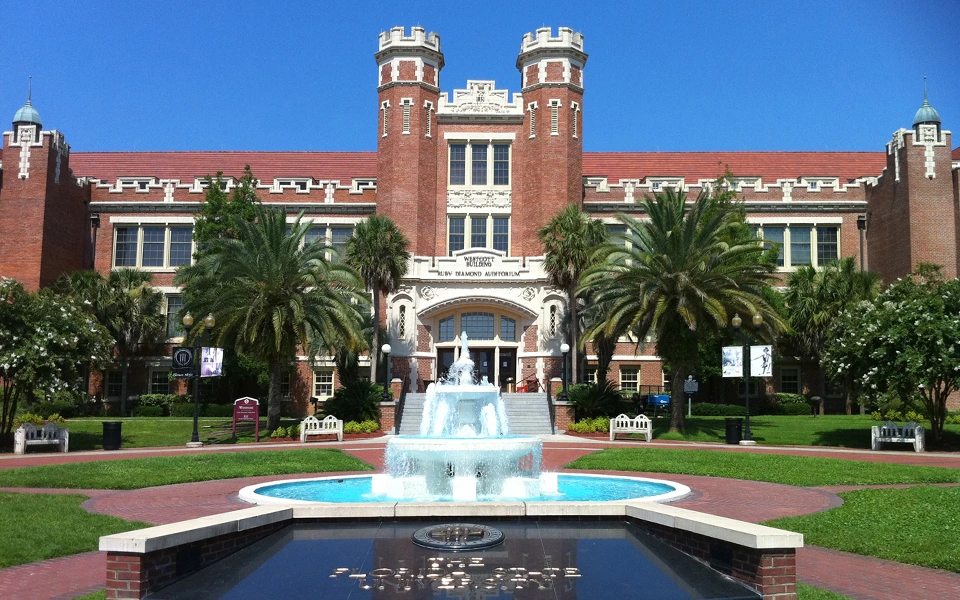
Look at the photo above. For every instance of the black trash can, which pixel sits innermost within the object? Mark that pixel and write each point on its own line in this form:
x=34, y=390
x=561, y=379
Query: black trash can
x=734, y=430
x=111, y=434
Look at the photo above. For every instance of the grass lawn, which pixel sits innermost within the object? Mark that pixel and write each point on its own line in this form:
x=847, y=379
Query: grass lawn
x=791, y=470
x=804, y=592
x=163, y=470
x=87, y=434
x=102, y=595
x=55, y=525
x=920, y=526
x=846, y=431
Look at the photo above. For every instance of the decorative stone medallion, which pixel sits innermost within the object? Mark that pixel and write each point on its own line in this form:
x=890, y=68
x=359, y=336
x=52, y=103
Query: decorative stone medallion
x=457, y=536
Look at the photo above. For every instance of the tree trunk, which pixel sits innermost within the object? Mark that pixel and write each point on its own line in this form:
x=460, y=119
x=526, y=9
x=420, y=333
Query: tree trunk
x=375, y=346
x=124, y=368
x=574, y=334
x=678, y=421
x=273, y=394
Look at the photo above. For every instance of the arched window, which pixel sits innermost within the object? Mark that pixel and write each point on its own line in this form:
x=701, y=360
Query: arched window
x=554, y=320
x=402, y=322
x=478, y=325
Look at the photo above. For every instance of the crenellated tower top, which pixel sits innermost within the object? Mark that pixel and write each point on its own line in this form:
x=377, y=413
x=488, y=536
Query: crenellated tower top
x=409, y=59
x=552, y=60
x=418, y=37
x=566, y=39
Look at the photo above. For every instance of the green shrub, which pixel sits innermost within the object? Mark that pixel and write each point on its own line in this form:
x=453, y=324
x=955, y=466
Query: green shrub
x=795, y=410
x=707, y=409
x=161, y=400
x=596, y=425
x=279, y=432
x=56, y=418
x=912, y=415
x=37, y=420
x=148, y=411
x=601, y=399
x=70, y=404
x=952, y=420
x=876, y=416
x=370, y=426
x=218, y=410
x=351, y=427
x=893, y=415
x=357, y=401
x=785, y=398
x=181, y=409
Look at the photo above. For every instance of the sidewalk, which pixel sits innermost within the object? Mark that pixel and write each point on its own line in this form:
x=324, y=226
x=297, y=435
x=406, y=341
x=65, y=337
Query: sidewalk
x=852, y=575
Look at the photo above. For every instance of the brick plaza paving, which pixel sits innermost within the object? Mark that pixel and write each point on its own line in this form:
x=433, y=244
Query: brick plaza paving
x=849, y=574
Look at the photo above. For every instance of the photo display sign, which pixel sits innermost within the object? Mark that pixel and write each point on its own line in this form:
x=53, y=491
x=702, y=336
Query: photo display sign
x=732, y=361
x=761, y=361
x=211, y=364
x=182, y=361
x=247, y=410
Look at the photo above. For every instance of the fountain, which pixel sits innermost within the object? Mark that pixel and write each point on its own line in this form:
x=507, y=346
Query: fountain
x=464, y=450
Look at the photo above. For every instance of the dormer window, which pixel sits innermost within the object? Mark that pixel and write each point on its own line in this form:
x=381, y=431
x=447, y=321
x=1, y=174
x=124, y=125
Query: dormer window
x=814, y=185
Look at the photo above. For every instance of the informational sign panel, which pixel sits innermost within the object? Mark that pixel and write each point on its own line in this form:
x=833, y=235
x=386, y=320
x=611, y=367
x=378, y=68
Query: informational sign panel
x=761, y=361
x=212, y=362
x=182, y=361
x=691, y=386
x=732, y=364
x=246, y=410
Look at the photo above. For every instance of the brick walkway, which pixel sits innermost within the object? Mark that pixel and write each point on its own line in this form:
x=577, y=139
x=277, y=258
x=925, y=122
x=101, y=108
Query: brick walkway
x=855, y=576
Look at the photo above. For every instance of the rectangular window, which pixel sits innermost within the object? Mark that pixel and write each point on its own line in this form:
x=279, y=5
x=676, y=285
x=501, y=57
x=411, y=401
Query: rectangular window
x=456, y=233
x=285, y=384
x=174, y=322
x=629, y=379
x=501, y=164
x=478, y=232
x=799, y=246
x=753, y=388
x=790, y=380
x=617, y=234
x=126, y=247
x=533, y=120
x=501, y=234
x=508, y=329
x=406, y=118
x=458, y=164
x=323, y=383
x=554, y=118
x=154, y=239
x=181, y=246
x=774, y=235
x=315, y=234
x=478, y=170
x=114, y=384
x=477, y=325
x=827, y=245
x=446, y=329
x=338, y=239
x=160, y=382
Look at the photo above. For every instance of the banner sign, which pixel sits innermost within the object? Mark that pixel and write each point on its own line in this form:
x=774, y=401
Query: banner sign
x=761, y=361
x=182, y=361
x=246, y=410
x=212, y=362
x=732, y=365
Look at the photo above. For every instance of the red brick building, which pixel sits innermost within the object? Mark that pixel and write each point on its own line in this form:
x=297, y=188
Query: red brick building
x=469, y=176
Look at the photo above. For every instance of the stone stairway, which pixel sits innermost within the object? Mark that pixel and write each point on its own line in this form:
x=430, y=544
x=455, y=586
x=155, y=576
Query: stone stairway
x=528, y=414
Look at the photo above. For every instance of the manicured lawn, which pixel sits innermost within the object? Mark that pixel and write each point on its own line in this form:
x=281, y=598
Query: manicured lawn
x=102, y=595
x=791, y=470
x=40, y=526
x=148, y=472
x=87, y=434
x=845, y=431
x=804, y=592
x=919, y=525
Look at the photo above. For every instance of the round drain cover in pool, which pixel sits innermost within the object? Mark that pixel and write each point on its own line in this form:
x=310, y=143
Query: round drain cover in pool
x=457, y=536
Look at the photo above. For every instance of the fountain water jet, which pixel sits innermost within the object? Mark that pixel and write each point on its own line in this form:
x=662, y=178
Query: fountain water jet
x=464, y=449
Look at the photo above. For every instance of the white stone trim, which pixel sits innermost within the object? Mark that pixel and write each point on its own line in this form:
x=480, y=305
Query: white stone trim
x=478, y=136
x=787, y=221
x=136, y=220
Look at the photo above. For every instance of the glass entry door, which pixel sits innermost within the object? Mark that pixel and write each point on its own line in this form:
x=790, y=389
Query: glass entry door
x=508, y=368
x=483, y=364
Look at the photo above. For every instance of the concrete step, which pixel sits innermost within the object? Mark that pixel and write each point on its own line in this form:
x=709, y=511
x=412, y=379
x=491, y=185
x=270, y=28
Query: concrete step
x=527, y=414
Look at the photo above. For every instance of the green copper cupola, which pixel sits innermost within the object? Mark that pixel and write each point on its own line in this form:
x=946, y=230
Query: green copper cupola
x=28, y=114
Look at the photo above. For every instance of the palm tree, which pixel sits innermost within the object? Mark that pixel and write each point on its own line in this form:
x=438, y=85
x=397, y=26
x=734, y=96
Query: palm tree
x=815, y=298
x=126, y=305
x=378, y=251
x=681, y=275
x=569, y=241
x=272, y=295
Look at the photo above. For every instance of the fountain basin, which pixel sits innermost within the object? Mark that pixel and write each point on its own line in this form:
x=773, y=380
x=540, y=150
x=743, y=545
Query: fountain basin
x=570, y=488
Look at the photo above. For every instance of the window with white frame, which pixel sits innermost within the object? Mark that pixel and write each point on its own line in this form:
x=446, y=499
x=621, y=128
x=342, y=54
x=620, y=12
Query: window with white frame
x=285, y=384
x=801, y=244
x=554, y=320
x=174, y=322
x=790, y=380
x=508, y=329
x=152, y=246
x=478, y=326
x=334, y=236
x=323, y=383
x=590, y=376
x=159, y=381
x=486, y=231
x=629, y=379
x=470, y=163
x=447, y=332
x=114, y=387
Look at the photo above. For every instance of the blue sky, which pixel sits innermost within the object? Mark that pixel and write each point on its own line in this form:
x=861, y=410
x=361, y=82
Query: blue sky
x=300, y=75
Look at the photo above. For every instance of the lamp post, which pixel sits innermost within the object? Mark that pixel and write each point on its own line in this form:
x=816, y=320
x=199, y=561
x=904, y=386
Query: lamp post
x=757, y=323
x=208, y=322
x=564, y=349
x=862, y=227
x=385, y=349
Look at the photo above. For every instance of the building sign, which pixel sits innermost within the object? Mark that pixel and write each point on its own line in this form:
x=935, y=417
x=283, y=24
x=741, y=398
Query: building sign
x=480, y=264
x=247, y=410
x=211, y=364
x=182, y=361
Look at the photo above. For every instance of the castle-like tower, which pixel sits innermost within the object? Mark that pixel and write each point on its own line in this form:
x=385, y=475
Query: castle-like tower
x=407, y=93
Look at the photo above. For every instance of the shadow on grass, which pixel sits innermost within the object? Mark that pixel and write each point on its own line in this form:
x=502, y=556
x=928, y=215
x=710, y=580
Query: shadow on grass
x=850, y=437
x=86, y=440
x=701, y=431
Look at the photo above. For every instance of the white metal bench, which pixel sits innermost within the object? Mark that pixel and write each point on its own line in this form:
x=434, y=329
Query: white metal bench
x=50, y=434
x=330, y=425
x=910, y=433
x=624, y=424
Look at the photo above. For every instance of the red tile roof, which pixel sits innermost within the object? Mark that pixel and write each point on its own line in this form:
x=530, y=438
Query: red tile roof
x=186, y=166
x=709, y=165
x=956, y=153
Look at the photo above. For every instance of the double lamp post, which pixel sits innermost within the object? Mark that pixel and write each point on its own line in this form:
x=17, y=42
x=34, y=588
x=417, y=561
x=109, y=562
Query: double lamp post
x=208, y=322
x=757, y=323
